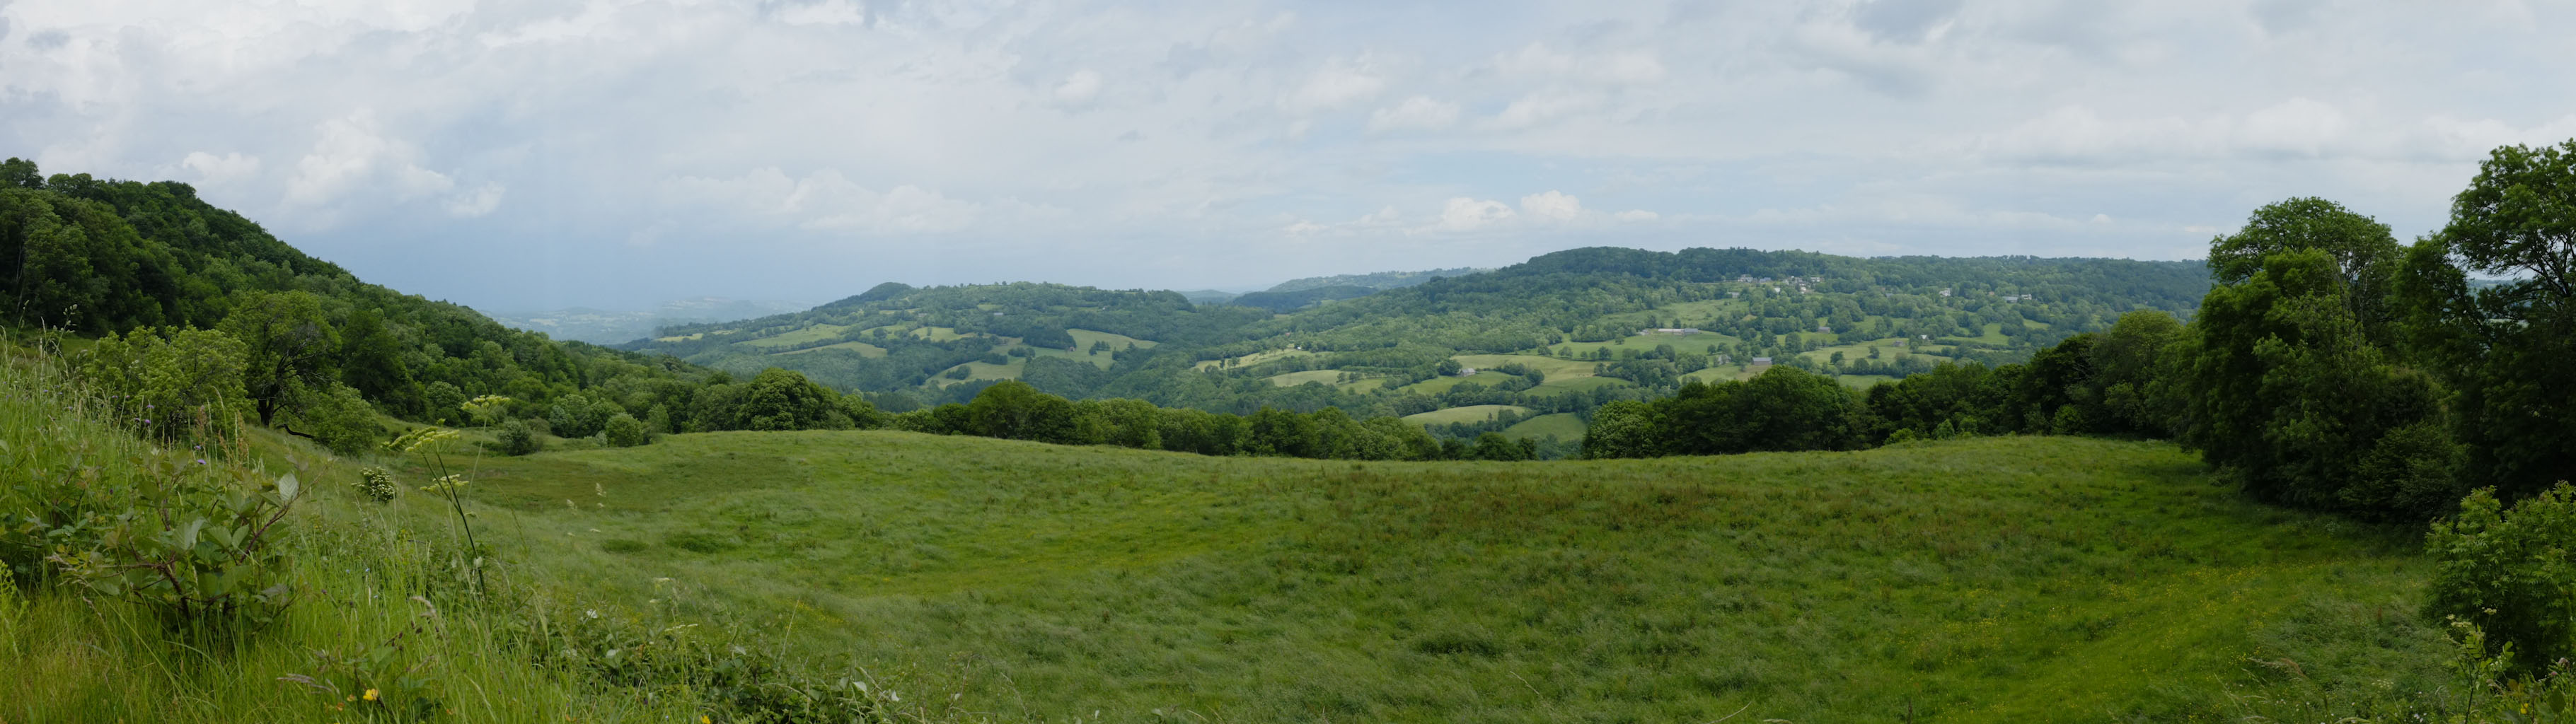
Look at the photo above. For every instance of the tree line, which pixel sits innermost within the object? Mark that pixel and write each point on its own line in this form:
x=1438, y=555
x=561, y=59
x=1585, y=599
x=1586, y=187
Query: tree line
x=2329, y=367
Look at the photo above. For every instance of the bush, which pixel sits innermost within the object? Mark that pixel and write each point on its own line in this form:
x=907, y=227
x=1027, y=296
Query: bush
x=2510, y=573
x=377, y=485
x=624, y=430
x=515, y=438
x=341, y=420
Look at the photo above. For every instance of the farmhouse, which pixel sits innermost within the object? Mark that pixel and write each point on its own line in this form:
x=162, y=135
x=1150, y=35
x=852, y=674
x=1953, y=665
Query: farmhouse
x=1761, y=361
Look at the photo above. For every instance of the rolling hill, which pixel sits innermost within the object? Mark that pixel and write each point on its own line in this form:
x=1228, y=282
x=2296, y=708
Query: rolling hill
x=1559, y=334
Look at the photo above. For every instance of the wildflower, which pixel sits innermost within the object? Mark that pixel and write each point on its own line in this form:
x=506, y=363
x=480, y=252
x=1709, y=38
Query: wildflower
x=372, y=695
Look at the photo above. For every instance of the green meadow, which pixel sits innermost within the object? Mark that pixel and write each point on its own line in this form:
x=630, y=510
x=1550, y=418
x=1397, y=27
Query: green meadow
x=1999, y=579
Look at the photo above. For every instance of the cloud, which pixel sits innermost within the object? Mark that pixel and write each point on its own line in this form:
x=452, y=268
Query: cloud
x=1542, y=107
x=230, y=168
x=352, y=159
x=1467, y=214
x=843, y=131
x=1339, y=83
x=1415, y=113
x=1078, y=89
x=1551, y=206
x=478, y=202
x=825, y=200
x=1621, y=67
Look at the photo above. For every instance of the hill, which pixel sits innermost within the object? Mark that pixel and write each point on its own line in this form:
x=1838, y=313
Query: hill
x=1561, y=333
x=602, y=326
x=2004, y=579
x=1373, y=282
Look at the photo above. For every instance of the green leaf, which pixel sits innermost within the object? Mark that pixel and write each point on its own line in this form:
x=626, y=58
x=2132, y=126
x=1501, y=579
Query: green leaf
x=286, y=487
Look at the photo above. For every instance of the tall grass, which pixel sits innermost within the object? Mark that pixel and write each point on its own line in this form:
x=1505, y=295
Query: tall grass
x=385, y=624
x=2006, y=579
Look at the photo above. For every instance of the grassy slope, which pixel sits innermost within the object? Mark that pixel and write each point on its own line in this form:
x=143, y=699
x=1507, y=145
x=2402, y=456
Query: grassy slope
x=2020, y=579
x=1469, y=413
x=1564, y=425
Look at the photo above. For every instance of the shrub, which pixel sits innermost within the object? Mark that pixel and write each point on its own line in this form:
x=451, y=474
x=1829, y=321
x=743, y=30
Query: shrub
x=624, y=430
x=2510, y=572
x=515, y=438
x=341, y=420
x=377, y=485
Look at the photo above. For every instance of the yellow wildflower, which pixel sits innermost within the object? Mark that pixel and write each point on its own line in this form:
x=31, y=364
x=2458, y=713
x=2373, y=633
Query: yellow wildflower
x=372, y=695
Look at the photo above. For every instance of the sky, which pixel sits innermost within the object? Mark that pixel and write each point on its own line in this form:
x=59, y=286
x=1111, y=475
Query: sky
x=537, y=154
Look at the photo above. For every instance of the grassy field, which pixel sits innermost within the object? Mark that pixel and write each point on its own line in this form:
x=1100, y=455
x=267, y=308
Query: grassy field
x=1437, y=385
x=1647, y=342
x=1564, y=425
x=2013, y=579
x=1292, y=379
x=1084, y=338
x=1469, y=413
x=864, y=349
x=1554, y=368
x=1577, y=384
x=808, y=335
x=1253, y=359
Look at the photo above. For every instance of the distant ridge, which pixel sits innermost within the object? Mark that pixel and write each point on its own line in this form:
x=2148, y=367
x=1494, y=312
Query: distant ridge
x=1375, y=282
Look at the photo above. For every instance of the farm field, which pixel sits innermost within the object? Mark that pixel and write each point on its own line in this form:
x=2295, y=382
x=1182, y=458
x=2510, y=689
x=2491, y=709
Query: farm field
x=808, y=335
x=1563, y=425
x=1292, y=379
x=1468, y=413
x=864, y=349
x=1999, y=579
x=1555, y=368
x=1437, y=385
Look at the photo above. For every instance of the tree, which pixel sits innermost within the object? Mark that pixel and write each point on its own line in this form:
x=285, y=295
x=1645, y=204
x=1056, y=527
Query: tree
x=2129, y=374
x=2364, y=255
x=1013, y=410
x=2288, y=392
x=624, y=430
x=340, y=419
x=516, y=438
x=2507, y=347
x=1622, y=429
x=289, y=343
x=182, y=386
x=778, y=399
x=371, y=361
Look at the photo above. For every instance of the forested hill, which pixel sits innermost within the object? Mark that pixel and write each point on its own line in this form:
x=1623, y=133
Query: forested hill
x=137, y=260
x=1529, y=349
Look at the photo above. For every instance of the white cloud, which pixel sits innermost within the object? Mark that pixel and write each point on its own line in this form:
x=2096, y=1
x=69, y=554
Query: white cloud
x=834, y=12
x=213, y=170
x=1385, y=218
x=1415, y=113
x=350, y=157
x=1637, y=215
x=1079, y=88
x=1623, y=67
x=826, y=200
x=1551, y=206
x=478, y=202
x=1340, y=83
x=1542, y=107
x=1468, y=214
